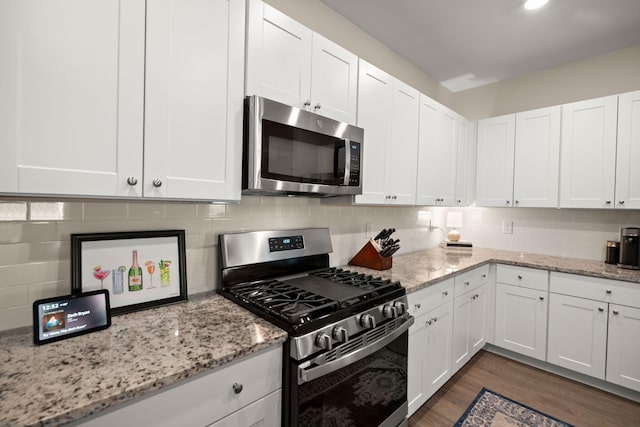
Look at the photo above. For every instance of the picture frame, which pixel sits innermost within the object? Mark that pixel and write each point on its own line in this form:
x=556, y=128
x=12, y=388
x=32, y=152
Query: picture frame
x=140, y=269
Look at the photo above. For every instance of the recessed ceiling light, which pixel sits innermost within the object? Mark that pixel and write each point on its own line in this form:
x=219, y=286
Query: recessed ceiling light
x=535, y=4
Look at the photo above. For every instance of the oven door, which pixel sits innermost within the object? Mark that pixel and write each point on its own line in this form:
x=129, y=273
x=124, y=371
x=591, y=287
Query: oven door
x=361, y=383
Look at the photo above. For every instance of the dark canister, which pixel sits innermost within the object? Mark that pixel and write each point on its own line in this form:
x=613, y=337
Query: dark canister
x=612, y=255
x=629, y=248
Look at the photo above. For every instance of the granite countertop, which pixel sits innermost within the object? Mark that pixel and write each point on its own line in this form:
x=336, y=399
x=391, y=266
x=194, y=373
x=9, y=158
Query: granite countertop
x=67, y=380
x=420, y=269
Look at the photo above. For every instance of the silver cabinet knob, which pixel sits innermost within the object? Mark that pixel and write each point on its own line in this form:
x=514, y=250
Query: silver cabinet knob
x=541, y=298
x=417, y=306
x=367, y=321
x=621, y=202
x=394, y=197
x=508, y=202
x=517, y=202
x=608, y=202
x=459, y=201
x=132, y=180
x=429, y=322
x=237, y=388
x=340, y=334
x=600, y=309
x=616, y=312
x=467, y=283
x=445, y=293
x=307, y=103
x=324, y=341
x=317, y=106
x=519, y=277
x=608, y=291
x=435, y=319
x=157, y=183
x=484, y=276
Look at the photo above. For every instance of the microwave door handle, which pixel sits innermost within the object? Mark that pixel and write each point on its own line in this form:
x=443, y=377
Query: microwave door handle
x=347, y=161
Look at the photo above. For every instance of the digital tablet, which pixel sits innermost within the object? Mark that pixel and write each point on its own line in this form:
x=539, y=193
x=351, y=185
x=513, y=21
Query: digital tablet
x=68, y=316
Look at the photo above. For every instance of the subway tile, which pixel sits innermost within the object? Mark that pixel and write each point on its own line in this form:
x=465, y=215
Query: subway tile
x=147, y=211
x=10, y=211
x=105, y=210
x=38, y=291
x=56, y=211
x=37, y=272
x=14, y=253
x=14, y=296
x=211, y=211
x=15, y=317
x=181, y=210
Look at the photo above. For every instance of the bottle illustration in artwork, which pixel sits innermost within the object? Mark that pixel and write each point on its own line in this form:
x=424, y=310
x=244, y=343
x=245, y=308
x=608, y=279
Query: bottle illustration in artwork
x=135, y=274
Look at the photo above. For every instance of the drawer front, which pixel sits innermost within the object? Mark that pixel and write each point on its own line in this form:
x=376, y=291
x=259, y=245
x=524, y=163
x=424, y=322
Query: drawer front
x=205, y=399
x=524, y=277
x=469, y=280
x=605, y=290
x=429, y=298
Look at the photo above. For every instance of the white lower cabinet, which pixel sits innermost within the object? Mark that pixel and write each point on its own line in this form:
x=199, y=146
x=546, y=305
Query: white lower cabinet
x=429, y=342
x=470, y=315
x=594, y=328
x=521, y=310
x=245, y=392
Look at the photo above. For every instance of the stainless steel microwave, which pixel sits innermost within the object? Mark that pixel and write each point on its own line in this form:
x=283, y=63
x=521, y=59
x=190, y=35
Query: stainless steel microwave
x=291, y=151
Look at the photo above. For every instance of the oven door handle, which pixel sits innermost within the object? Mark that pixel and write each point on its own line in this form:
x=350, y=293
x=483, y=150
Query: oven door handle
x=310, y=374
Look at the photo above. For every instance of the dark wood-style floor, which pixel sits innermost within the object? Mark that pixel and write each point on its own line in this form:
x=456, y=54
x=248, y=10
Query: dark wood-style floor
x=570, y=401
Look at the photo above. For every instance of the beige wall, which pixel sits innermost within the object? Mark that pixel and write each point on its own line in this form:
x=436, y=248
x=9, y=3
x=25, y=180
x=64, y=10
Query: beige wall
x=601, y=75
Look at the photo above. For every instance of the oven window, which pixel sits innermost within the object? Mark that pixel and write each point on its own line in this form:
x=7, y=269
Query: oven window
x=298, y=155
x=364, y=393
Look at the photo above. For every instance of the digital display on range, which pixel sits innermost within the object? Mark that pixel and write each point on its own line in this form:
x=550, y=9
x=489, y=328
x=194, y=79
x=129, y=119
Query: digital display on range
x=287, y=243
x=63, y=317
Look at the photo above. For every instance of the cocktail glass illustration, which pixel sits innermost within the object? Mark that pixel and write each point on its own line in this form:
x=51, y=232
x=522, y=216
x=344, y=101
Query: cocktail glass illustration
x=100, y=274
x=117, y=278
x=150, y=269
x=165, y=278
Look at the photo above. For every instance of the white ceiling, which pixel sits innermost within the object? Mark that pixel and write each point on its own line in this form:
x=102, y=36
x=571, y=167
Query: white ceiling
x=468, y=43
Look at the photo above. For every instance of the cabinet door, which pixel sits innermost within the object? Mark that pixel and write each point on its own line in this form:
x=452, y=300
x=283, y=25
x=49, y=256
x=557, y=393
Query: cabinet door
x=537, y=158
x=193, y=99
x=402, y=148
x=437, y=154
x=278, y=56
x=577, y=334
x=623, y=351
x=494, y=180
x=334, y=80
x=71, y=96
x=374, y=108
x=263, y=412
x=480, y=305
x=628, y=151
x=437, y=360
x=521, y=320
x=466, y=163
x=587, y=170
x=416, y=364
x=460, y=350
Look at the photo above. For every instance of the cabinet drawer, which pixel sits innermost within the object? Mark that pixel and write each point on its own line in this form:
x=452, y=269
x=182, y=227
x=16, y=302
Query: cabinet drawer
x=429, y=298
x=471, y=279
x=524, y=277
x=205, y=399
x=605, y=290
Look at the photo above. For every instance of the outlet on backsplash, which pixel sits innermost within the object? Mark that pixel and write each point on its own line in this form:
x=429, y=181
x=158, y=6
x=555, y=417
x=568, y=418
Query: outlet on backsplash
x=507, y=226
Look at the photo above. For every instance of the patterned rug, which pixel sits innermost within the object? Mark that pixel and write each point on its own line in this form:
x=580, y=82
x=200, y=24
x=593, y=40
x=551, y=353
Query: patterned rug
x=490, y=409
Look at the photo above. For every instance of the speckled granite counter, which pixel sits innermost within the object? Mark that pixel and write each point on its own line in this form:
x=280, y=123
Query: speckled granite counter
x=67, y=380
x=419, y=269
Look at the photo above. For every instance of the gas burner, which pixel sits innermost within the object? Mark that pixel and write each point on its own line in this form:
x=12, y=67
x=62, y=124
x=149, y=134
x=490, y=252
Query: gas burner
x=359, y=280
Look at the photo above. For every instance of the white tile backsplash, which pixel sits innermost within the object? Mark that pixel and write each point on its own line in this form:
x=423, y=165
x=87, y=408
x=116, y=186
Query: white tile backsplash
x=35, y=248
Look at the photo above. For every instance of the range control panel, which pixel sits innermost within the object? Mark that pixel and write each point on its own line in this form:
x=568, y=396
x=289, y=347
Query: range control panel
x=277, y=244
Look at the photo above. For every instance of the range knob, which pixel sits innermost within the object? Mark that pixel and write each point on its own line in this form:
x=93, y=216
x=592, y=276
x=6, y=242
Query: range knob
x=367, y=321
x=323, y=341
x=340, y=334
x=390, y=311
x=401, y=307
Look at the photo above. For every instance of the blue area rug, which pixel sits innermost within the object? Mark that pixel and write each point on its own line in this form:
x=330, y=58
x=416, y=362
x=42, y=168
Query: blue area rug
x=491, y=409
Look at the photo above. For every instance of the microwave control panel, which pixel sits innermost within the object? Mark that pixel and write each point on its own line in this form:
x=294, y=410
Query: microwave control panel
x=354, y=175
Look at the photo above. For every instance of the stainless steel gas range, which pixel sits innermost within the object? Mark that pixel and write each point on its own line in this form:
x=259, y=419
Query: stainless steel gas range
x=345, y=362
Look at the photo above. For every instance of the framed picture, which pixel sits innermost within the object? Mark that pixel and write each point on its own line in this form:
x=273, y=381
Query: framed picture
x=140, y=269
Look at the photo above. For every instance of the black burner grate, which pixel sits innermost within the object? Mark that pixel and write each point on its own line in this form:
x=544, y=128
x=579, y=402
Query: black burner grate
x=359, y=280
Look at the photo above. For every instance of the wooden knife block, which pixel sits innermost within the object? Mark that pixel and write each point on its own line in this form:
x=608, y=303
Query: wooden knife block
x=370, y=258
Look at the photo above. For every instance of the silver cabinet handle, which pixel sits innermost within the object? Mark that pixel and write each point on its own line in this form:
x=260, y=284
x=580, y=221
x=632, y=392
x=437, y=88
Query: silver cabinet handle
x=157, y=183
x=317, y=106
x=600, y=309
x=132, y=180
x=616, y=312
x=608, y=291
x=237, y=388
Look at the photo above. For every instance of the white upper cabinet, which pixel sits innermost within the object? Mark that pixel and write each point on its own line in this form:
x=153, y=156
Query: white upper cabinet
x=71, y=96
x=375, y=95
x=437, y=154
x=496, y=145
x=193, y=99
x=388, y=113
x=587, y=171
x=289, y=63
x=628, y=151
x=537, y=158
x=466, y=164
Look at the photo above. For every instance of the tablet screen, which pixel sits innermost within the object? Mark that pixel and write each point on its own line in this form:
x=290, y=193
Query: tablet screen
x=70, y=315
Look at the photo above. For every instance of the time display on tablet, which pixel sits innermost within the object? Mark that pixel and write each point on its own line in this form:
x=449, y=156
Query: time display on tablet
x=70, y=315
